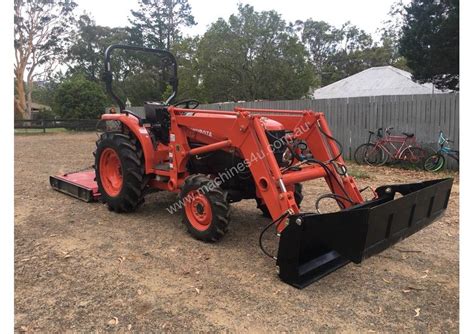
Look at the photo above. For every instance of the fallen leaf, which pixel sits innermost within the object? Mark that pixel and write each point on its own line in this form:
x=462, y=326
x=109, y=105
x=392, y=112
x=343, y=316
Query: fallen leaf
x=129, y=327
x=83, y=304
x=197, y=290
x=406, y=290
x=424, y=276
x=386, y=281
x=121, y=258
x=113, y=322
x=417, y=311
x=24, y=328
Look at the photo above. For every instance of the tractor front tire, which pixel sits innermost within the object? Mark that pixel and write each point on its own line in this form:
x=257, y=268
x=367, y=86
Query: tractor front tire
x=298, y=193
x=206, y=210
x=120, y=172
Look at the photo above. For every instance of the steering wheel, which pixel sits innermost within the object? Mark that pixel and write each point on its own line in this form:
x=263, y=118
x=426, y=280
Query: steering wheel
x=188, y=104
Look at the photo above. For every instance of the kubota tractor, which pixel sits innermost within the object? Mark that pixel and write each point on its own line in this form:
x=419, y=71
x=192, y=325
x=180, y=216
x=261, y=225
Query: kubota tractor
x=214, y=158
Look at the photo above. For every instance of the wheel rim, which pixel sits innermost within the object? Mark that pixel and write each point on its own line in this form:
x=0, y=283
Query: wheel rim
x=198, y=210
x=111, y=172
x=434, y=163
x=374, y=156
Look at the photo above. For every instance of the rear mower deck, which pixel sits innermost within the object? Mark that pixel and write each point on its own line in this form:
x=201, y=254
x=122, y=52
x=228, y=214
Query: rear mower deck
x=81, y=185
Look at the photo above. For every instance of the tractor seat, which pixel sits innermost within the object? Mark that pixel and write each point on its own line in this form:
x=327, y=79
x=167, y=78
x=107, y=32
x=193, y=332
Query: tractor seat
x=409, y=135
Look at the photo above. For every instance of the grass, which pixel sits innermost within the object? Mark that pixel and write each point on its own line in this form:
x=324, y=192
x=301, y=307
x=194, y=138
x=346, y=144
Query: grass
x=359, y=173
x=38, y=131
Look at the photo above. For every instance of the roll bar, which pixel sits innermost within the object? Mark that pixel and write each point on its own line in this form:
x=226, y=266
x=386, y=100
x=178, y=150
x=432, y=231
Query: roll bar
x=108, y=76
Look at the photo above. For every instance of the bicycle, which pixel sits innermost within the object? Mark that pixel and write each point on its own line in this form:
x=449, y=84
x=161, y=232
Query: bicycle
x=402, y=148
x=436, y=162
x=361, y=151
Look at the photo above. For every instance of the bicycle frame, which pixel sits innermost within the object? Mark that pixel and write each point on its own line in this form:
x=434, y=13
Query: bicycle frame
x=404, y=142
x=444, y=148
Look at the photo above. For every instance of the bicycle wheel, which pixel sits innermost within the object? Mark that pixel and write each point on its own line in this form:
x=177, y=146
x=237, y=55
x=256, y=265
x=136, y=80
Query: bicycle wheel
x=360, y=152
x=414, y=156
x=434, y=162
x=375, y=156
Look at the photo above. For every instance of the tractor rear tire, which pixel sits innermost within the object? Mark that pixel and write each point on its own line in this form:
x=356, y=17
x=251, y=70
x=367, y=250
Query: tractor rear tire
x=120, y=172
x=298, y=193
x=206, y=210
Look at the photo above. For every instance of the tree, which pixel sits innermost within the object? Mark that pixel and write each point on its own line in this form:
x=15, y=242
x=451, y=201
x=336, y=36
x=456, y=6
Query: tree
x=77, y=97
x=321, y=40
x=40, y=30
x=337, y=53
x=86, y=53
x=430, y=41
x=189, y=69
x=253, y=55
x=157, y=23
x=391, y=31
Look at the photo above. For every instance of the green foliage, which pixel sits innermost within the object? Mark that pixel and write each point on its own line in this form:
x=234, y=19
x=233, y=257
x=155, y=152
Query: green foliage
x=46, y=114
x=44, y=93
x=337, y=53
x=189, y=69
x=253, y=55
x=157, y=23
x=86, y=54
x=430, y=41
x=78, y=97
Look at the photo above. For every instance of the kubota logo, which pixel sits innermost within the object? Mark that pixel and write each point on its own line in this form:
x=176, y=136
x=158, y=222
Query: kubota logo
x=204, y=132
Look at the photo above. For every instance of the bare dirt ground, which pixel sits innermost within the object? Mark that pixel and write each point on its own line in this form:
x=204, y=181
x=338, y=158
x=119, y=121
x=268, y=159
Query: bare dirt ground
x=79, y=267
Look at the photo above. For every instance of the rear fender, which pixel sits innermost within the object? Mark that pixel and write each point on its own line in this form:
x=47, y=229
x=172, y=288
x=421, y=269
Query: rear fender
x=140, y=132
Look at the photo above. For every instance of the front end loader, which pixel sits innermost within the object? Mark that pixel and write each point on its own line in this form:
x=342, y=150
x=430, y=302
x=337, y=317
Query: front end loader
x=213, y=158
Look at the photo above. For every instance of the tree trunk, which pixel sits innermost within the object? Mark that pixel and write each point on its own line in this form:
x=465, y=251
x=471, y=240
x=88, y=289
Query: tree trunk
x=29, y=101
x=20, y=98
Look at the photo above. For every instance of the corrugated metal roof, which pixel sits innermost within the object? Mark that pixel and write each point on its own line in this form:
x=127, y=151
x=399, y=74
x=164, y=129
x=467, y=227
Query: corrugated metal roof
x=375, y=81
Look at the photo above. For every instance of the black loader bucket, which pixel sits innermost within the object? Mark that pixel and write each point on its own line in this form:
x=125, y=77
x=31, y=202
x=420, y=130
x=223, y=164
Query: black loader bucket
x=314, y=245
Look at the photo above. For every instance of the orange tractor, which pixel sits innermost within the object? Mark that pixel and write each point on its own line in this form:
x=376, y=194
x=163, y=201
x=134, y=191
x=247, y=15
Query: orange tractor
x=214, y=158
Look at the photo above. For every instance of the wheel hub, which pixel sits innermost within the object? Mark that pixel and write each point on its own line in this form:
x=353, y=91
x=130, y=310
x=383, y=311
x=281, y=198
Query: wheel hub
x=198, y=210
x=111, y=172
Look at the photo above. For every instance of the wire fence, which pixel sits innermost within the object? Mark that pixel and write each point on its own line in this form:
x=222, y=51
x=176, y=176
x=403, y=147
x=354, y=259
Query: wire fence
x=44, y=125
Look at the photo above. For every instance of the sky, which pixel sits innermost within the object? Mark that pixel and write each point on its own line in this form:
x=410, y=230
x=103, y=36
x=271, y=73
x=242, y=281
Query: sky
x=366, y=14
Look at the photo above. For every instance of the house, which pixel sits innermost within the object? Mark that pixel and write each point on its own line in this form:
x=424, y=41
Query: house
x=376, y=81
x=36, y=108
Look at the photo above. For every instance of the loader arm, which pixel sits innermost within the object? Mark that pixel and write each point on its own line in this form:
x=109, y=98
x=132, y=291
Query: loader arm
x=244, y=131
